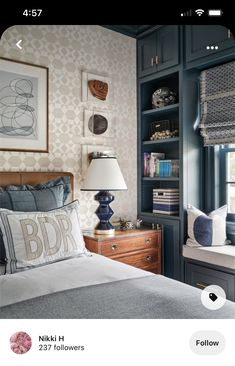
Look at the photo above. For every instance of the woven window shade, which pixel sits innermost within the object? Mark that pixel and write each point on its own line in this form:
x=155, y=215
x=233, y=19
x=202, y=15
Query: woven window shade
x=217, y=89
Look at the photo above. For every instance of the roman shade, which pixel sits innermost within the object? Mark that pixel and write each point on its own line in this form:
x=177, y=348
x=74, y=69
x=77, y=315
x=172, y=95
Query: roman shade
x=217, y=96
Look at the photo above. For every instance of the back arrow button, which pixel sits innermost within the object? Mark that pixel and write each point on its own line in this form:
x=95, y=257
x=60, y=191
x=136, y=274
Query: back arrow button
x=18, y=44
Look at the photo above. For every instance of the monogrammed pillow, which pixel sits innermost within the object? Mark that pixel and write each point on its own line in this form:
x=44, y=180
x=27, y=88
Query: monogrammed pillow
x=34, y=239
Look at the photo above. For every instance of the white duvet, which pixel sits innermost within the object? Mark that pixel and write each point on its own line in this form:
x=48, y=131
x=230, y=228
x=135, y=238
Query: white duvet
x=64, y=275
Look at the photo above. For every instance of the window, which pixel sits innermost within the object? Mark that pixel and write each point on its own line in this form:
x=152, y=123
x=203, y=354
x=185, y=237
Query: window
x=227, y=173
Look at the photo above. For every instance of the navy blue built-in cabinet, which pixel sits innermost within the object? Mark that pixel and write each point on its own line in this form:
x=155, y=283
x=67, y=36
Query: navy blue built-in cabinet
x=158, y=50
x=207, y=42
x=173, y=56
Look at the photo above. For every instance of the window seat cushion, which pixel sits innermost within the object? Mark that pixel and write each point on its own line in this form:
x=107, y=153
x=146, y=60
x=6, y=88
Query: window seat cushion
x=223, y=256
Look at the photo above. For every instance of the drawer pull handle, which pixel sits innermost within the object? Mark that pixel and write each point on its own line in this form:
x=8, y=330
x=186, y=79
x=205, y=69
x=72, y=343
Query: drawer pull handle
x=114, y=247
x=157, y=60
x=149, y=258
x=148, y=241
x=202, y=285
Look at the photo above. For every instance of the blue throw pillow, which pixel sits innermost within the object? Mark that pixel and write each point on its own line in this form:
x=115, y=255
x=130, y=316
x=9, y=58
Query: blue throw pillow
x=42, y=197
x=206, y=230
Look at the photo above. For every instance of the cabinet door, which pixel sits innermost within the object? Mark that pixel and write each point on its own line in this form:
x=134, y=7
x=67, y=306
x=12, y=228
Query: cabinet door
x=171, y=242
x=198, y=37
x=167, y=47
x=201, y=277
x=146, y=55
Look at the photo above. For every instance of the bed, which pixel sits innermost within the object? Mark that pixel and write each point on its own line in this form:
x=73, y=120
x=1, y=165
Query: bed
x=91, y=286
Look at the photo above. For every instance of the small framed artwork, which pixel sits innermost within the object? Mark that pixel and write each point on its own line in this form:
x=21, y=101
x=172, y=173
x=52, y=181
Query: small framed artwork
x=96, y=88
x=89, y=151
x=23, y=106
x=98, y=123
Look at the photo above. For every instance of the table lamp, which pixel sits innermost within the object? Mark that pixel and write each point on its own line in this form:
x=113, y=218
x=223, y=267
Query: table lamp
x=104, y=175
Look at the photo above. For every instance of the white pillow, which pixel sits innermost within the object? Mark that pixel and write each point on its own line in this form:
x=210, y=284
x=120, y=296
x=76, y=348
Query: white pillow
x=206, y=230
x=34, y=239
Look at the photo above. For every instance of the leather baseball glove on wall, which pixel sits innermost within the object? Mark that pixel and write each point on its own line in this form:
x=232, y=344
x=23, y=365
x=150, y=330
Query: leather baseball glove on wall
x=99, y=89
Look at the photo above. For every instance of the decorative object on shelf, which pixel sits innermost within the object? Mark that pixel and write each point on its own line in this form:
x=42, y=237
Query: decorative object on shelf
x=96, y=88
x=164, y=129
x=166, y=201
x=98, y=123
x=126, y=225
x=23, y=106
x=138, y=223
x=90, y=151
x=104, y=175
x=163, y=97
x=99, y=89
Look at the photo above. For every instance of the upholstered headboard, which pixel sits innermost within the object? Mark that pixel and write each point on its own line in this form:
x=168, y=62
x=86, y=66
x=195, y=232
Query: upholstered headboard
x=32, y=178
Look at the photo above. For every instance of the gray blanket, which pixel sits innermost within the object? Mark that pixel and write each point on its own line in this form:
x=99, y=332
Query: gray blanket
x=151, y=297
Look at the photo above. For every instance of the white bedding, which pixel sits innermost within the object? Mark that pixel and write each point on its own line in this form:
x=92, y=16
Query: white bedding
x=64, y=275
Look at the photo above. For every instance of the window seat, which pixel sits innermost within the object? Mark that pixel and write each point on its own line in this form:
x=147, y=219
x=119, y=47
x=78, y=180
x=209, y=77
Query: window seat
x=223, y=256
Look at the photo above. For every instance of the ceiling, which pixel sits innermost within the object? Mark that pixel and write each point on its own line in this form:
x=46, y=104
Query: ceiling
x=129, y=30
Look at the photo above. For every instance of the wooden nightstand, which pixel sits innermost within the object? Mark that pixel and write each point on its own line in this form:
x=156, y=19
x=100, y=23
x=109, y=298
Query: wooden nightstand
x=139, y=248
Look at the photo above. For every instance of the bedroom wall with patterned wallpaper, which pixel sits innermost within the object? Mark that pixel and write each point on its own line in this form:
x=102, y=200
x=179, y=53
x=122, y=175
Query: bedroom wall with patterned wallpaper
x=67, y=50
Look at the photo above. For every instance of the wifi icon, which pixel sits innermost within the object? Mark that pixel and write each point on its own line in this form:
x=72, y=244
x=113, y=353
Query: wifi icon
x=199, y=12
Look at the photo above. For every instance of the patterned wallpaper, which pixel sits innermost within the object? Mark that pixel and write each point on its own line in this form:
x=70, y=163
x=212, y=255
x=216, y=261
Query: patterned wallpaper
x=67, y=50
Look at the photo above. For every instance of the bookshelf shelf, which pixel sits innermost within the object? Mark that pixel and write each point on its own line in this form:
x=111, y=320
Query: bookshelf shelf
x=163, y=141
x=161, y=179
x=154, y=215
x=160, y=164
x=156, y=111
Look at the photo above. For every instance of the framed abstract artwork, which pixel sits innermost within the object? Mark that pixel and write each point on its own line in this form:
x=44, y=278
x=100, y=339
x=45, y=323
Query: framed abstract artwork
x=23, y=106
x=98, y=123
x=96, y=89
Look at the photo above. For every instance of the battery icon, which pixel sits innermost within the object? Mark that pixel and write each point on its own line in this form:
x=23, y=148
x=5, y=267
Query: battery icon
x=215, y=12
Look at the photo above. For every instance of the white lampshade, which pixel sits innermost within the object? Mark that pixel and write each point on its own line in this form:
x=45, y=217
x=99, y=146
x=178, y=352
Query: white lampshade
x=104, y=174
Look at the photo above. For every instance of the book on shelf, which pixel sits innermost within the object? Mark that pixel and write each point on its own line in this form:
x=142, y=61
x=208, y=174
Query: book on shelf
x=151, y=163
x=168, y=168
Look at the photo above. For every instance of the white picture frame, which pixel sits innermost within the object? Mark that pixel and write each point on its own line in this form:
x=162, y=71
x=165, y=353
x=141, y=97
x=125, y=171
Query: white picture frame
x=98, y=123
x=23, y=106
x=87, y=149
x=86, y=94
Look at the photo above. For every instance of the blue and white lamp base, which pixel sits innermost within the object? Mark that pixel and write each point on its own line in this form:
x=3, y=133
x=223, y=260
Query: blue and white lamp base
x=104, y=213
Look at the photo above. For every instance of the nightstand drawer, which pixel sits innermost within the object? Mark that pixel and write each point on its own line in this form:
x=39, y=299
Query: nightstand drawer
x=118, y=246
x=146, y=259
x=138, y=248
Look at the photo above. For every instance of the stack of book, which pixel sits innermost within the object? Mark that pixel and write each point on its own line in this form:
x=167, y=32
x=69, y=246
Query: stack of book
x=166, y=201
x=155, y=165
x=167, y=168
x=150, y=163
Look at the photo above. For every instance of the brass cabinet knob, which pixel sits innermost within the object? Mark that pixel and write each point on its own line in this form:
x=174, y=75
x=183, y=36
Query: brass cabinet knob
x=157, y=60
x=148, y=241
x=114, y=247
x=149, y=258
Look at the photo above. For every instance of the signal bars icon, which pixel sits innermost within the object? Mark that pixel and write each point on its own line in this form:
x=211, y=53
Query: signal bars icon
x=188, y=13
